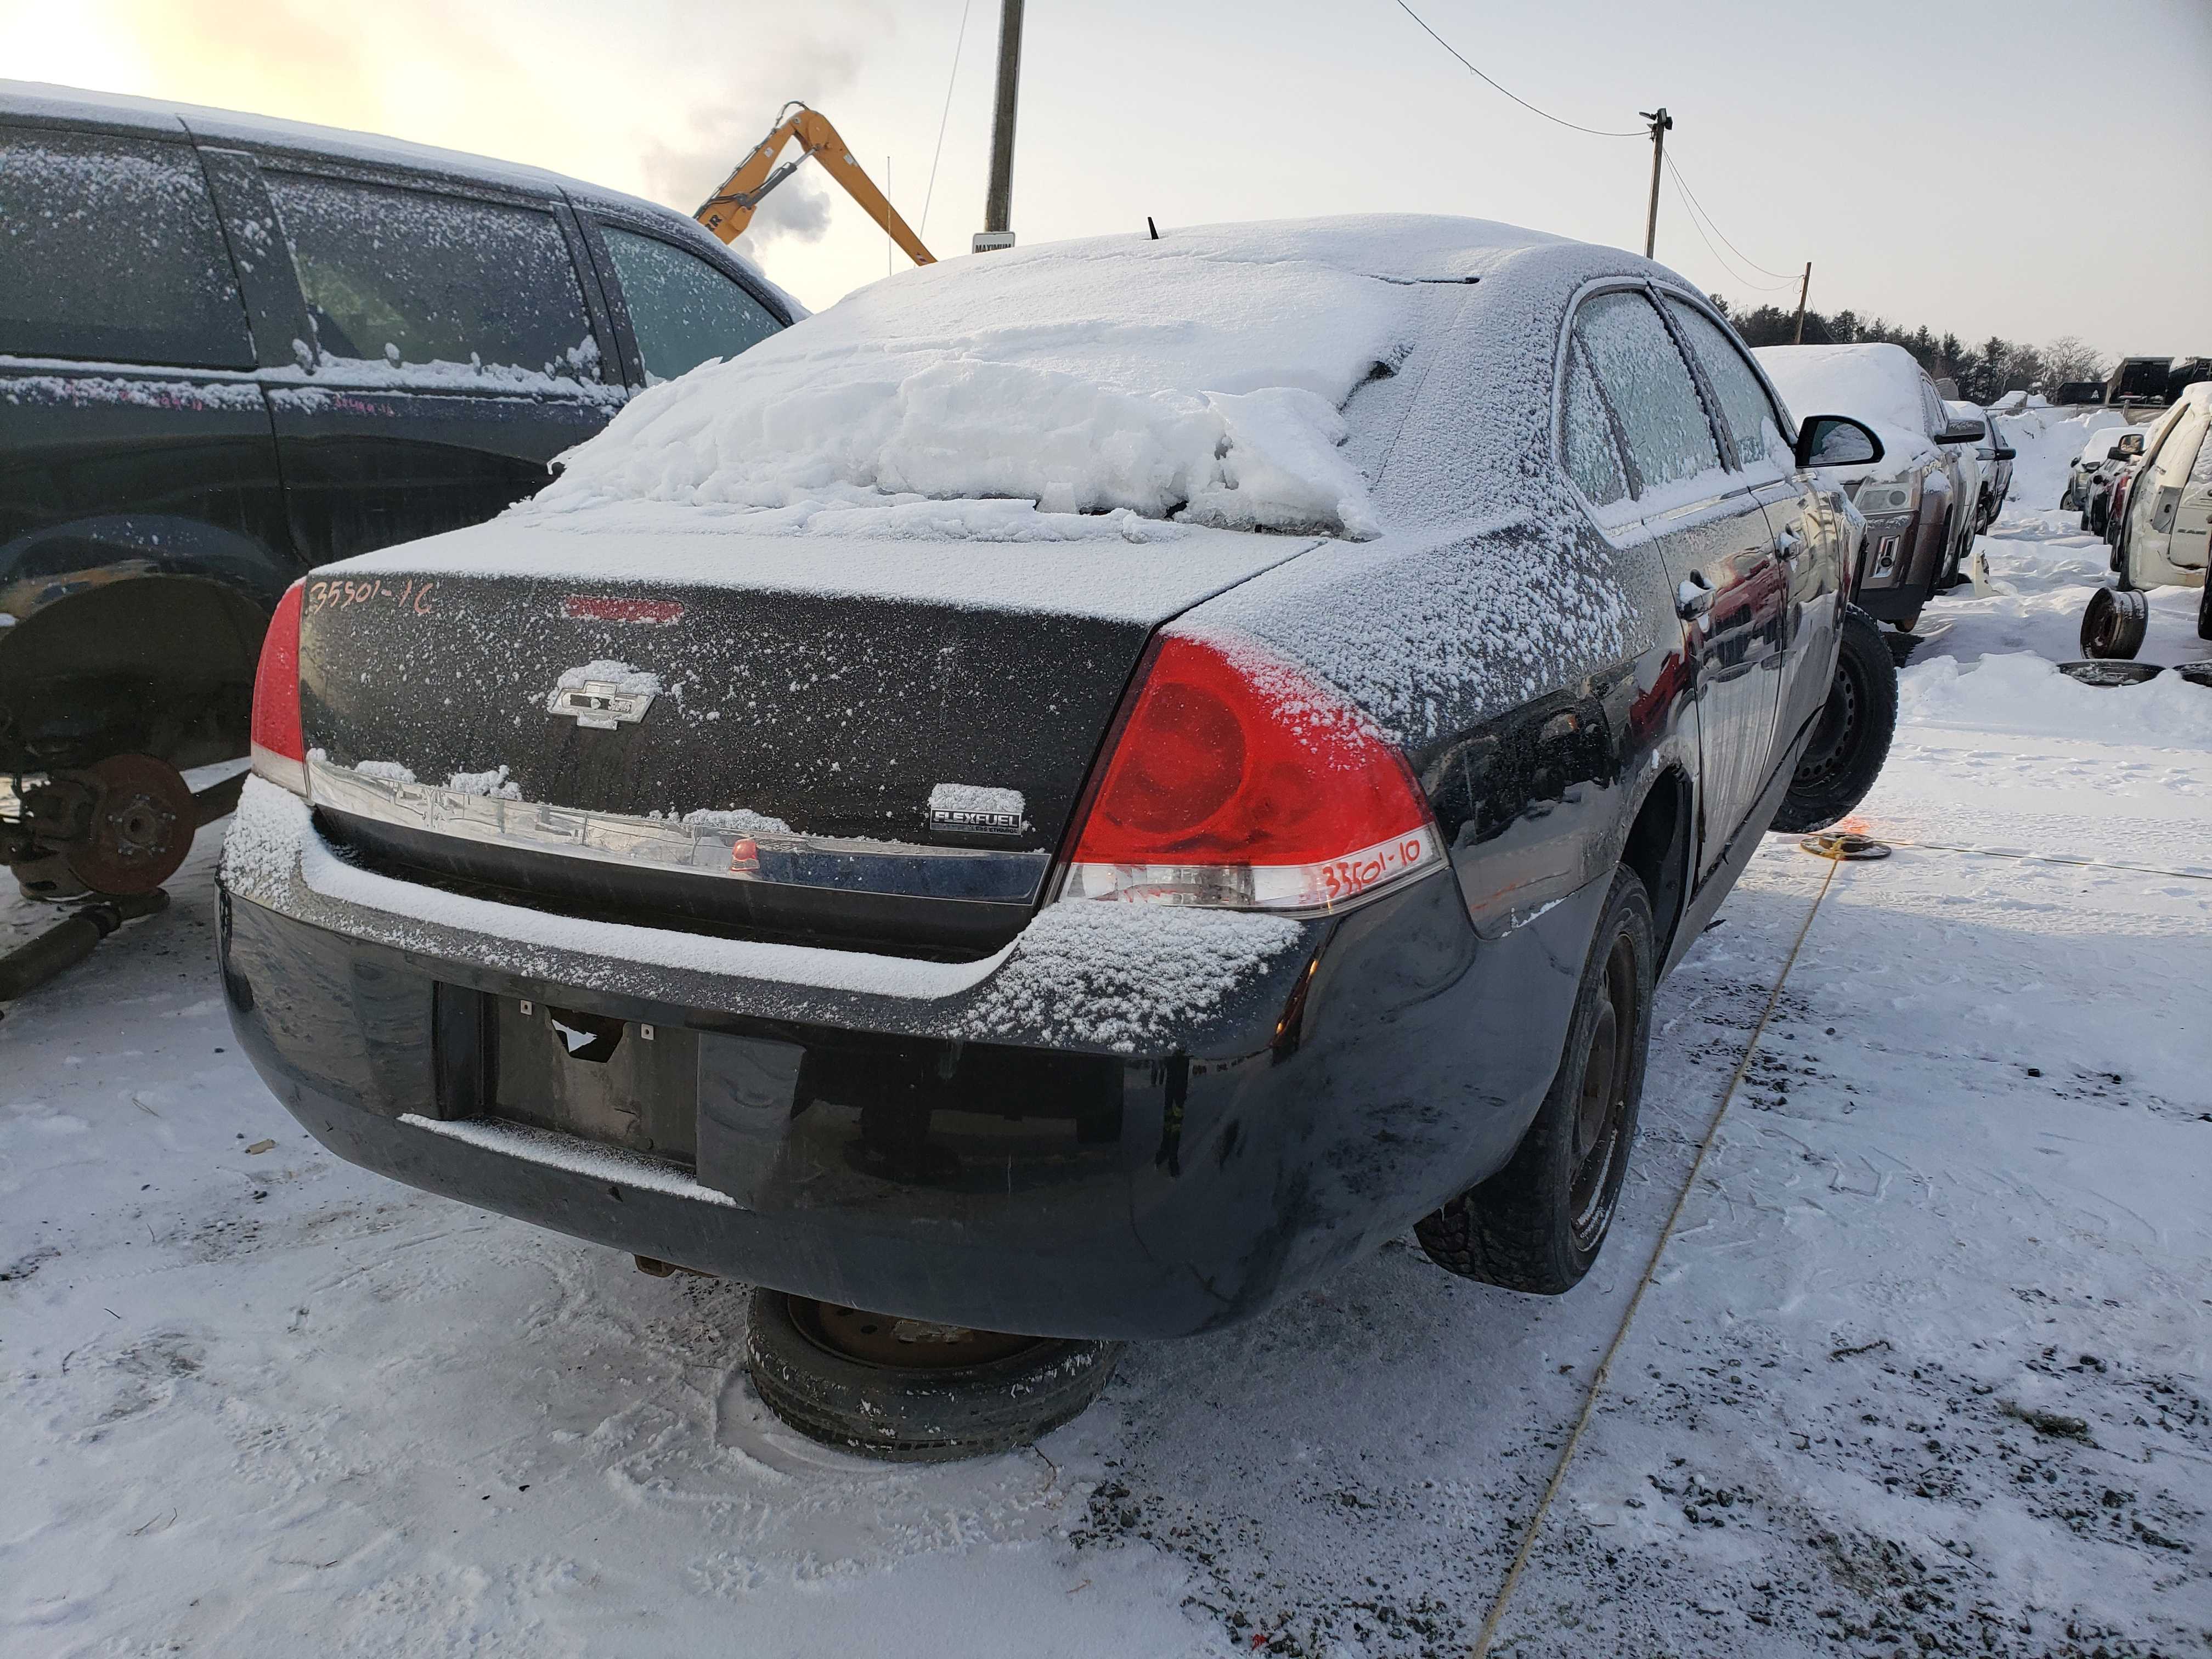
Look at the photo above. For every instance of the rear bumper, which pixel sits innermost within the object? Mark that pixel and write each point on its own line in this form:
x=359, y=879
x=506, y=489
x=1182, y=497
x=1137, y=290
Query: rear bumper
x=1139, y=1138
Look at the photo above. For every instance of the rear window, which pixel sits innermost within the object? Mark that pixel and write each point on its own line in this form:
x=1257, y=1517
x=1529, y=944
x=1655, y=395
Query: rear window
x=409, y=278
x=682, y=310
x=109, y=250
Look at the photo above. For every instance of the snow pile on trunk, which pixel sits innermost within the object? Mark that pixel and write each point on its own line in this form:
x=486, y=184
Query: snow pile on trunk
x=1196, y=377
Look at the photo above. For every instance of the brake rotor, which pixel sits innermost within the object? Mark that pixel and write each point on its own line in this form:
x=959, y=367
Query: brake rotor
x=142, y=827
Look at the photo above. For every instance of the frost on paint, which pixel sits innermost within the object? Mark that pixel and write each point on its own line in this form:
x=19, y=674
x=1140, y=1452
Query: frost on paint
x=1123, y=976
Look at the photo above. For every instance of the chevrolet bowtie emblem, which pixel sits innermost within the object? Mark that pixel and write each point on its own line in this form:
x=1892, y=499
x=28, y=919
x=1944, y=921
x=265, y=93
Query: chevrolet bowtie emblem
x=599, y=704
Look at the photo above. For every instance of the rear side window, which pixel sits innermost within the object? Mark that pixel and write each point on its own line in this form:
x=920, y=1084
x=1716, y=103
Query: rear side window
x=409, y=278
x=109, y=250
x=1748, y=412
x=1662, y=419
x=1593, y=457
x=682, y=310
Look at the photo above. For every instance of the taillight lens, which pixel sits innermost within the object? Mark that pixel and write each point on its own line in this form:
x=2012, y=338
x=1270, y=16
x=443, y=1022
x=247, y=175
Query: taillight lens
x=1239, y=781
x=280, y=752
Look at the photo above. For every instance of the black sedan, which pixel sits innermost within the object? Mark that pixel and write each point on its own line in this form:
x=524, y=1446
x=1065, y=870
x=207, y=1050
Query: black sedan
x=1068, y=795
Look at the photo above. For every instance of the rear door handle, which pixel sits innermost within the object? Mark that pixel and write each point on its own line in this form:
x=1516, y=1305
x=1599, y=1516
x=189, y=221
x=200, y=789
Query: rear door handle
x=1694, y=597
x=1789, y=544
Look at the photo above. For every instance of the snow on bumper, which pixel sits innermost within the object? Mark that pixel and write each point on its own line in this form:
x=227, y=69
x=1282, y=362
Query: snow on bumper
x=1102, y=977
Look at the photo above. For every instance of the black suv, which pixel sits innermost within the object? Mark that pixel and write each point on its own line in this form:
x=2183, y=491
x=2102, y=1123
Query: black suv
x=232, y=348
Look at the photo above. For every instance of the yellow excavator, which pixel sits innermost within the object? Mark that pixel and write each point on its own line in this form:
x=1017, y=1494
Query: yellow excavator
x=730, y=210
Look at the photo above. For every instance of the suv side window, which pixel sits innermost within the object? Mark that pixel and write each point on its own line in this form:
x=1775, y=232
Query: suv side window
x=408, y=277
x=682, y=310
x=1749, y=414
x=1662, y=419
x=1931, y=409
x=109, y=250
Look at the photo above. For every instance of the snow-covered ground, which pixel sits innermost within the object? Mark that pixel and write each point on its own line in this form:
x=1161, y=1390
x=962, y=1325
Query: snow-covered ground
x=1924, y=1364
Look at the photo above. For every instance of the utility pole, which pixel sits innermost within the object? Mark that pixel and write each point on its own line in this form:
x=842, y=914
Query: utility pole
x=1661, y=125
x=1803, y=289
x=998, y=206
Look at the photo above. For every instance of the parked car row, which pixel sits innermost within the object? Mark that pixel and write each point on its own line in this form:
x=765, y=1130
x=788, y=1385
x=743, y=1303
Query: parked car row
x=2106, y=454
x=233, y=349
x=1938, y=481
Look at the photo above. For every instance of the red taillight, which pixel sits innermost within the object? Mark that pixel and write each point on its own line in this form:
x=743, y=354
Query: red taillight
x=280, y=752
x=1239, y=781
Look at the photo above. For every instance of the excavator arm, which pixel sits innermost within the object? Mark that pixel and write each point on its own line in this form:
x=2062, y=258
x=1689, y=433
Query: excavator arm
x=730, y=210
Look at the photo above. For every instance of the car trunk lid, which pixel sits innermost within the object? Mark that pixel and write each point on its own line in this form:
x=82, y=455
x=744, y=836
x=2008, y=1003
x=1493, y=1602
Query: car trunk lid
x=844, y=740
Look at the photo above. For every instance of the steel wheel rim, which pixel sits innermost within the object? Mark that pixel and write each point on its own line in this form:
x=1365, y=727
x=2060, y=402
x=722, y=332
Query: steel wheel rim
x=888, y=1343
x=1834, y=737
x=1601, y=1110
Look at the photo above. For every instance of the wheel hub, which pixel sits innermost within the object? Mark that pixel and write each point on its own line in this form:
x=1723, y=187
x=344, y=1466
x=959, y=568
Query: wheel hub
x=907, y=1344
x=141, y=829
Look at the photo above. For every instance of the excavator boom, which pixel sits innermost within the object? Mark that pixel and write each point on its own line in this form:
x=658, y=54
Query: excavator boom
x=730, y=210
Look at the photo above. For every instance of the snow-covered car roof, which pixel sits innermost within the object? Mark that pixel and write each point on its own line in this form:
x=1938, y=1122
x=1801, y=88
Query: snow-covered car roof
x=1204, y=375
x=59, y=105
x=1878, y=384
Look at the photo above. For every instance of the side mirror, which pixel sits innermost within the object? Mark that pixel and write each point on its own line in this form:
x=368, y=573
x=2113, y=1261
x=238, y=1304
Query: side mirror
x=1962, y=432
x=2118, y=452
x=1836, y=441
x=2005, y=452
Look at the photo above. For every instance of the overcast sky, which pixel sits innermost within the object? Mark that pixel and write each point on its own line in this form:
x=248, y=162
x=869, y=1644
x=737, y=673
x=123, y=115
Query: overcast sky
x=2029, y=170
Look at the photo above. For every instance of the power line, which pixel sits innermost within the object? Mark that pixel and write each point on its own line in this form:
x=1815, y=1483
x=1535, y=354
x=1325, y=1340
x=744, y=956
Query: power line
x=951, y=81
x=1684, y=185
x=1524, y=102
x=1719, y=258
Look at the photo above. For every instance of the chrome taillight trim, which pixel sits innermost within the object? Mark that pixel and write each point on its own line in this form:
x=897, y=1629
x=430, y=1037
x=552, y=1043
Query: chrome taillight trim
x=845, y=864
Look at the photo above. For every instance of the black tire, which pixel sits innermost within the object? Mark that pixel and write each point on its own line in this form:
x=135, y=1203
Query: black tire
x=2114, y=622
x=1023, y=1388
x=1537, y=1224
x=1850, y=738
x=2205, y=609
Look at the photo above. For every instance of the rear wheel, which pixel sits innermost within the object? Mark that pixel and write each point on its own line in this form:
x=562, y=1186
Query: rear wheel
x=1850, y=738
x=908, y=1391
x=1538, y=1224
